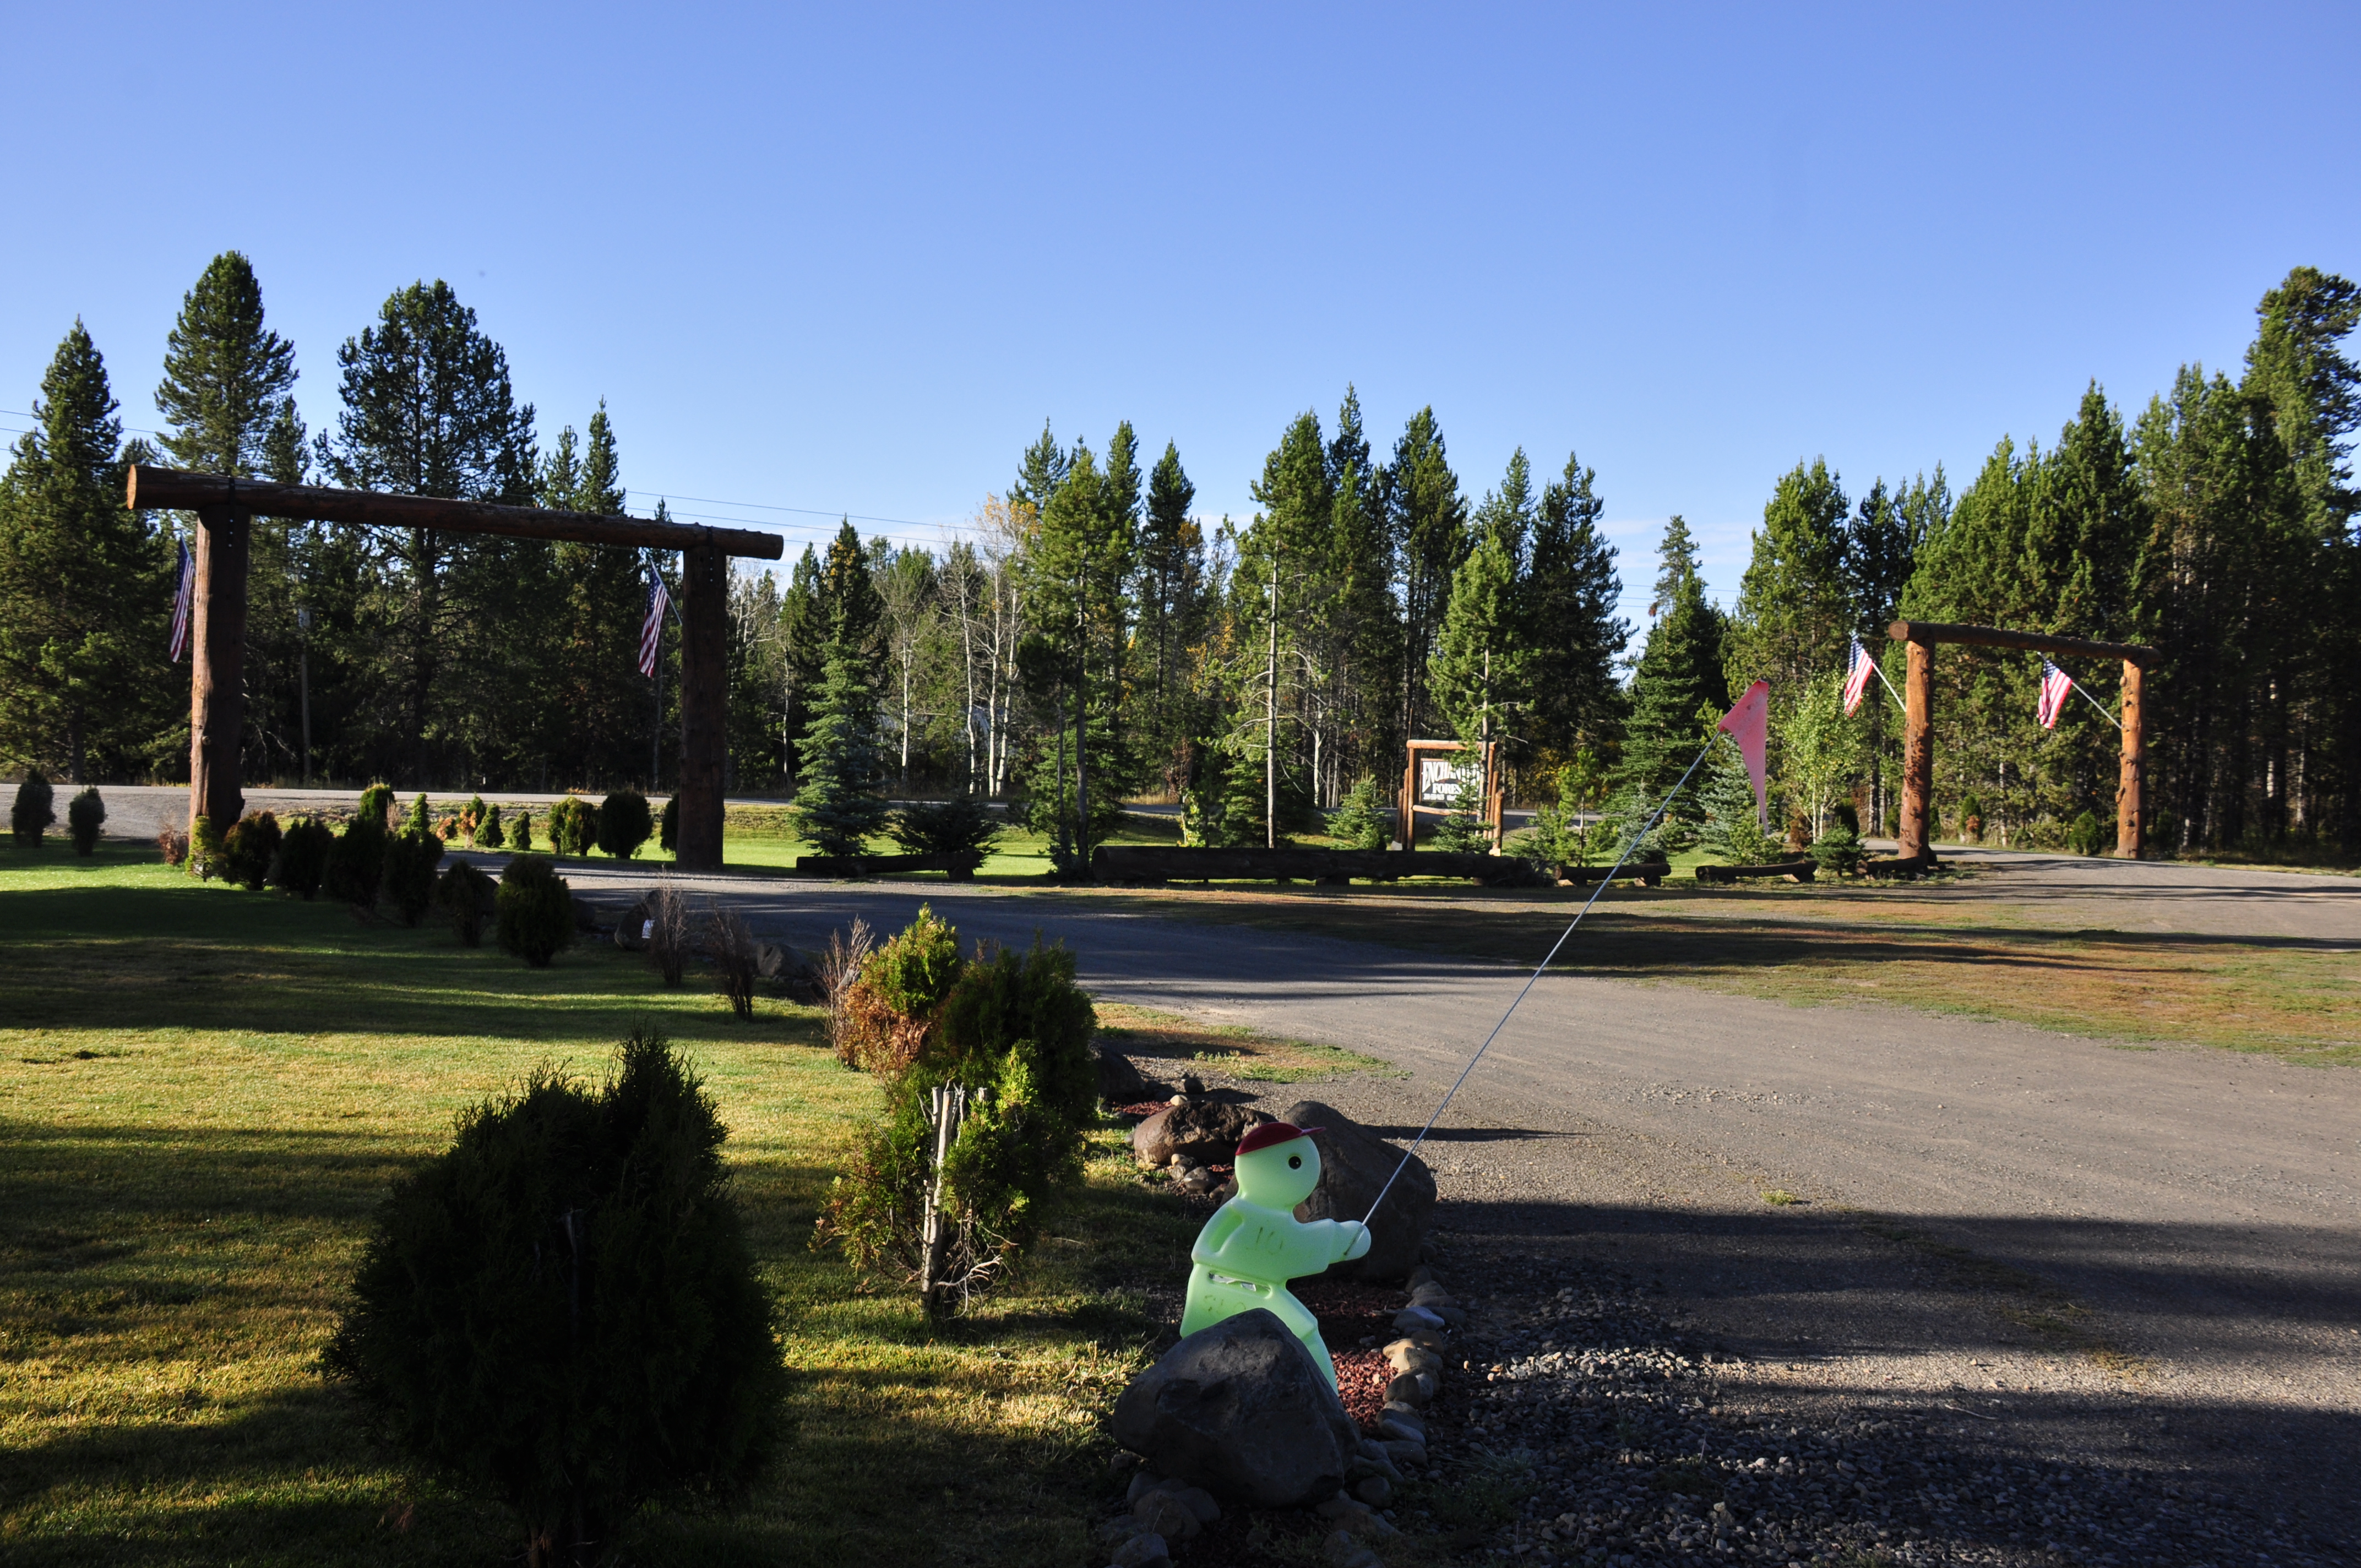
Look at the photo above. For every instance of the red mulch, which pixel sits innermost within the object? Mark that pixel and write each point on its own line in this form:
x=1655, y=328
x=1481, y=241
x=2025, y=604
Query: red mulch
x=1350, y=1311
x=1361, y=1379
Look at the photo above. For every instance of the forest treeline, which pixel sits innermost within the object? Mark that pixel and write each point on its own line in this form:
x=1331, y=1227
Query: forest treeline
x=1090, y=638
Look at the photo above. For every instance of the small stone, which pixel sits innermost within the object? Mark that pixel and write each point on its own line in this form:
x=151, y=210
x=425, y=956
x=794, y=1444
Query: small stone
x=1375, y=1491
x=1121, y=1460
x=1419, y=1276
x=1409, y=1456
x=1144, y=1550
x=1120, y=1528
x=1411, y=1320
x=1147, y=1481
x=1431, y=1295
x=1167, y=1516
x=1200, y=1502
x=1342, y=1509
x=1411, y=1388
x=1409, y=1356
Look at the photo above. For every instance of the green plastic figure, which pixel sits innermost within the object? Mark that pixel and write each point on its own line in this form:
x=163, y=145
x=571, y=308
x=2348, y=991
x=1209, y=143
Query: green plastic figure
x=1254, y=1243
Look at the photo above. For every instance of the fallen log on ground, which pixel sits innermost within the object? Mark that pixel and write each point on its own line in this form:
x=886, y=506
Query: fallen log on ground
x=1156, y=862
x=1909, y=866
x=959, y=867
x=1800, y=870
x=1647, y=874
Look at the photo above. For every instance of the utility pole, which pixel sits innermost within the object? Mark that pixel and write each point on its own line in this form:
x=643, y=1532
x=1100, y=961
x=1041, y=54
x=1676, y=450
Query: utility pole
x=1270, y=722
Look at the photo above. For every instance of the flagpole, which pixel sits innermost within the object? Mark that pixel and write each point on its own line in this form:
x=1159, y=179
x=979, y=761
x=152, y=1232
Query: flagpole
x=2095, y=702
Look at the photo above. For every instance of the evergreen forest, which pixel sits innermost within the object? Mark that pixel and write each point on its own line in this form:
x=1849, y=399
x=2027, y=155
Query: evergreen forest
x=1090, y=638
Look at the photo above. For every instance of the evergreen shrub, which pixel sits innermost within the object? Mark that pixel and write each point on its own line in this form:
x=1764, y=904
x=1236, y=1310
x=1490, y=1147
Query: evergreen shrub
x=490, y=834
x=421, y=820
x=471, y=818
x=2164, y=831
x=1363, y=819
x=249, y=848
x=961, y=825
x=377, y=805
x=624, y=823
x=1016, y=1027
x=31, y=816
x=356, y=864
x=303, y=852
x=2087, y=834
x=1463, y=829
x=668, y=833
x=408, y=882
x=1972, y=818
x=563, y=1311
x=533, y=912
x=572, y=825
x=520, y=831
x=205, y=850
x=890, y=1012
x=85, y=814
x=1839, y=851
x=463, y=893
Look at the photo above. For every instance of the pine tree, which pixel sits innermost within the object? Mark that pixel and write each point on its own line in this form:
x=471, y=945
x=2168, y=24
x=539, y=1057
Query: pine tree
x=1427, y=521
x=428, y=410
x=1570, y=621
x=226, y=375
x=1480, y=659
x=592, y=625
x=1794, y=613
x=1171, y=597
x=838, y=804
x=1679, y=676
x=84, y=589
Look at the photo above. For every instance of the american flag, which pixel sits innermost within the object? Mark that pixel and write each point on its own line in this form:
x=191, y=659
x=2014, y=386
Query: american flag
x=185, y=597
x=652, y=629
x=1857, y=678
x=2055, y=684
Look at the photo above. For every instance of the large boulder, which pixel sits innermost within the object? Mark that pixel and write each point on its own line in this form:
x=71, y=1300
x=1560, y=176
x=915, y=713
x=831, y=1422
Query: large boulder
x=1205, y=1130
x=1241, y=1409
x=1353, y=1164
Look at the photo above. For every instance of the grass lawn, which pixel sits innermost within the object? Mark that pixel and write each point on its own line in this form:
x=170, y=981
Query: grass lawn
x=204, y=1093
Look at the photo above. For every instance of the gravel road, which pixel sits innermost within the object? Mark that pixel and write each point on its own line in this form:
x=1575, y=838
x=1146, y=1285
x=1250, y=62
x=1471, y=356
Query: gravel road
x=2148, y=1256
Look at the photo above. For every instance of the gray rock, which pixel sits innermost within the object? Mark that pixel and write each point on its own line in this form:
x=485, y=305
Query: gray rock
x=1144, y=1551
x=1147, y=1481
x=1403, y=1423
x=1353, y=1164
x=1411, y=1320
x=1411, y=1388
x=1241, y=1409
x=1406, y=1453
x=1167, y=1516
x=1375, y=1490
x=1206, y=1131
x=1201, y=1503
x=1120, y=1528
x=1120, y=1082
x=789, y=972
x=1373, y=1460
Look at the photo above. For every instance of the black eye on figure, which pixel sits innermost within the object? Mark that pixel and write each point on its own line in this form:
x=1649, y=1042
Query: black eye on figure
x=1295, y=1162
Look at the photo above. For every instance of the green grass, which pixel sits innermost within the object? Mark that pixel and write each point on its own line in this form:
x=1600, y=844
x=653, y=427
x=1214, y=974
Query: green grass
x=1166, y=1046
x=204, y=1092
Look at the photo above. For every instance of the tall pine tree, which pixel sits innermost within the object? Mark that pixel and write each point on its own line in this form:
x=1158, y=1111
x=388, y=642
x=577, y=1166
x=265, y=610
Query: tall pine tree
x=1570, y=621
x=84, y=591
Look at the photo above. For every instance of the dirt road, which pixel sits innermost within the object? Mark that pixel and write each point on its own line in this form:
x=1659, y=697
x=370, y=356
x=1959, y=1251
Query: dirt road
x=2152, y=1254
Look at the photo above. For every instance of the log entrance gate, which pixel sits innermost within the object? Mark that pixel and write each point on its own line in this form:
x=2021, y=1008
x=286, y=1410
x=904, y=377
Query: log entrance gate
x=1919, y=737
x=226, y=508
x=1416, y=791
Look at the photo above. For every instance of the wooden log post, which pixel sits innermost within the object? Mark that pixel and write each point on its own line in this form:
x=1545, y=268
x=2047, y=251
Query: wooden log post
x=217, y=666
x=704, y=704
x=2131, y=817
x=1917, y=751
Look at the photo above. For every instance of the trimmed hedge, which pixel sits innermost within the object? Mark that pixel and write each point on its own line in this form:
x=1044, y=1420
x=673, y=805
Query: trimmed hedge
x=533, y=913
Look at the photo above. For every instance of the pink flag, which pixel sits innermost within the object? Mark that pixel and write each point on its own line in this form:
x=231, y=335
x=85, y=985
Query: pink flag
x=1748, y=723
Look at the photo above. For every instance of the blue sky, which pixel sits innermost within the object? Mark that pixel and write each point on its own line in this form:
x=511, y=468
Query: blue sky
x=849, y=259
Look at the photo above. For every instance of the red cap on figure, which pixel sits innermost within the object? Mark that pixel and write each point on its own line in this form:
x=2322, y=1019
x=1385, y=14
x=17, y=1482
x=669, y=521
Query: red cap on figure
x=1264, y=1134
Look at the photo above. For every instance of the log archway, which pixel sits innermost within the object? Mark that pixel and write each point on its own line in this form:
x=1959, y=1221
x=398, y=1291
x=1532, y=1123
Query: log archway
x=1918, y=736
x=226, y=508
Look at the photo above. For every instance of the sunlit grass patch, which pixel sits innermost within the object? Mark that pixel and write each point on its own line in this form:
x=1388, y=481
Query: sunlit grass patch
x=204, y=1093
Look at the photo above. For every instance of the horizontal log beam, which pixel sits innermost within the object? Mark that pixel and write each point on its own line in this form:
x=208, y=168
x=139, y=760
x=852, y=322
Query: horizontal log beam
x=1929, y=632
x=150, y=488
x=959, y=867
x=1799, y=870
